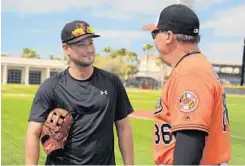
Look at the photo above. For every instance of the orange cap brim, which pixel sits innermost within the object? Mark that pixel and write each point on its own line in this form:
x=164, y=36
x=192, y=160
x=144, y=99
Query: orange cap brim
x=149, y=27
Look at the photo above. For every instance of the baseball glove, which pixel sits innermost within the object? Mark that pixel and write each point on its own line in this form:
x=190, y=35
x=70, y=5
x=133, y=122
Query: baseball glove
x=55, y=130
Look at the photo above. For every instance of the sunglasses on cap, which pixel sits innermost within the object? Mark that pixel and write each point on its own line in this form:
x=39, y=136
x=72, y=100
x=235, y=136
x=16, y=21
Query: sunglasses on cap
x=82, y=31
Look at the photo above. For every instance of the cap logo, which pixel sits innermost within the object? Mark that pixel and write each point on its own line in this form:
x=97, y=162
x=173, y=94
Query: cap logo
x=81, y=25
x=196, y=30
x=82, y=29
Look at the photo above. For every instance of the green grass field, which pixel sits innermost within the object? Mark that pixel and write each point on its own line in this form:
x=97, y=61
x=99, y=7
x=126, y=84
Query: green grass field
x=17, y=99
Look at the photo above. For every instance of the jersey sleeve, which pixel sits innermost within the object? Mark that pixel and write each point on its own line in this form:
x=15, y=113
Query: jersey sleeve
x=191, y=104
x=192, y=140
x=43, y=102
x=123, y=105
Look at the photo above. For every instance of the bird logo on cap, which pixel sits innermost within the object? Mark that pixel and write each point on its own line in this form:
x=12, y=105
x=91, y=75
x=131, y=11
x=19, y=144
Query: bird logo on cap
x=82, y=29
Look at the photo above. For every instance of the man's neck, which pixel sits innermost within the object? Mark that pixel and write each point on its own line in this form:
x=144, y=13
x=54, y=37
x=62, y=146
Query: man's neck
x=182, y=51
x=81, y=73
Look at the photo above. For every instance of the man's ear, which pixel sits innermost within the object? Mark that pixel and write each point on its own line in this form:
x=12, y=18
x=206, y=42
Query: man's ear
x=170, y=37
x=65, y=48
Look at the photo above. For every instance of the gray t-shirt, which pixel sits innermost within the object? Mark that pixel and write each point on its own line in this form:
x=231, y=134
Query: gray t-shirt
x=95, y=103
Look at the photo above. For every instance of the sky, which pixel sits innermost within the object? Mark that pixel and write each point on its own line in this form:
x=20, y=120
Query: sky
x=38, y=24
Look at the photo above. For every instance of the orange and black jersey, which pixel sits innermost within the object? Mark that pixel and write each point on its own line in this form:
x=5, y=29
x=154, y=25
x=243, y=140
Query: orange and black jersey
x=192, y=99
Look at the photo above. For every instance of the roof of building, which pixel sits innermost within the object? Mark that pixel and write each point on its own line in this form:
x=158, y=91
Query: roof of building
x=227, y=63
x=10, y=60
x=214, y=62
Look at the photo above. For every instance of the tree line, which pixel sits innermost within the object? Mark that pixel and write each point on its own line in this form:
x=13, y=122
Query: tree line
x=121, y=61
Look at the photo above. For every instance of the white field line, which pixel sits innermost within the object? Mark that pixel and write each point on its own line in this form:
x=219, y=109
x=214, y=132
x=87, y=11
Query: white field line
x=133, y=116
x=17, y=94
x=139, y=117
x=144, y=118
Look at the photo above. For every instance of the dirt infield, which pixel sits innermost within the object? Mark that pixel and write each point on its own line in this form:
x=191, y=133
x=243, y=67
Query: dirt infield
x=140, y=114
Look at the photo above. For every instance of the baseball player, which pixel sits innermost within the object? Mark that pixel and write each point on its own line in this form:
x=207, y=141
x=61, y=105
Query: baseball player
x=96, y=99
x=191, y=118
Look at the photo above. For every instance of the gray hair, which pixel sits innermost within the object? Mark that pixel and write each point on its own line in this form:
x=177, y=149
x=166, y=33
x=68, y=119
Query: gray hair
x=185, y=39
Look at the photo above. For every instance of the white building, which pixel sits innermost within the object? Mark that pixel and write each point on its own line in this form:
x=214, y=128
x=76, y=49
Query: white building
x=16, y=70
x=27, y=71
x=150, y=68
x=229, y=72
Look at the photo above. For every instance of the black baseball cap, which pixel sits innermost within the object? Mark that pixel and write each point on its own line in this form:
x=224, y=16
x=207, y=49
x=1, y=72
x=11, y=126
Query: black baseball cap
x=77, y=30
x=177, y=18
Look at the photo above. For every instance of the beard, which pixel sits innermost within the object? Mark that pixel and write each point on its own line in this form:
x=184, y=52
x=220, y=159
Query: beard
x=83, y=62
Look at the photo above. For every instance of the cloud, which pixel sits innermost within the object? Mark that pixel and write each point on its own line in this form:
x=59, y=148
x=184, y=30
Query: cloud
x=128, y=9
x=46, y=6
x=108, y=8
x=34, y=31
x=224, y=52
x=116, y=9
x=201, y=3
x=123, y=34
x=112, y=14
x=116, y=38
x=228, y=22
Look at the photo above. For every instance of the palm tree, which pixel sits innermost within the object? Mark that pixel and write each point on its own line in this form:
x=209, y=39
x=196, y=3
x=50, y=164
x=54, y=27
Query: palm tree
x=163, y=70
x=107, y=50
x=29, y=53
x=66, y=59
x=131, y=64
x=121, y=51
x=52, y=57
x=147, y=48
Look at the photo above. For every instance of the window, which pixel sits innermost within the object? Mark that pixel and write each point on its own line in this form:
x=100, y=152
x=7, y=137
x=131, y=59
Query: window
x=34, y=77
x=14, y=76
x=53, y=73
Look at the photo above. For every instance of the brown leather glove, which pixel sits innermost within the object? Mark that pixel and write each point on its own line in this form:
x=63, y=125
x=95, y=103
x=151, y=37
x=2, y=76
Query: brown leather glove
x=55, y=130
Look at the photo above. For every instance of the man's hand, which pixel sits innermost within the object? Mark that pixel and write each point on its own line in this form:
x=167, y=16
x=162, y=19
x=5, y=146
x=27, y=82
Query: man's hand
x=125, y=139
x=32, y=148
